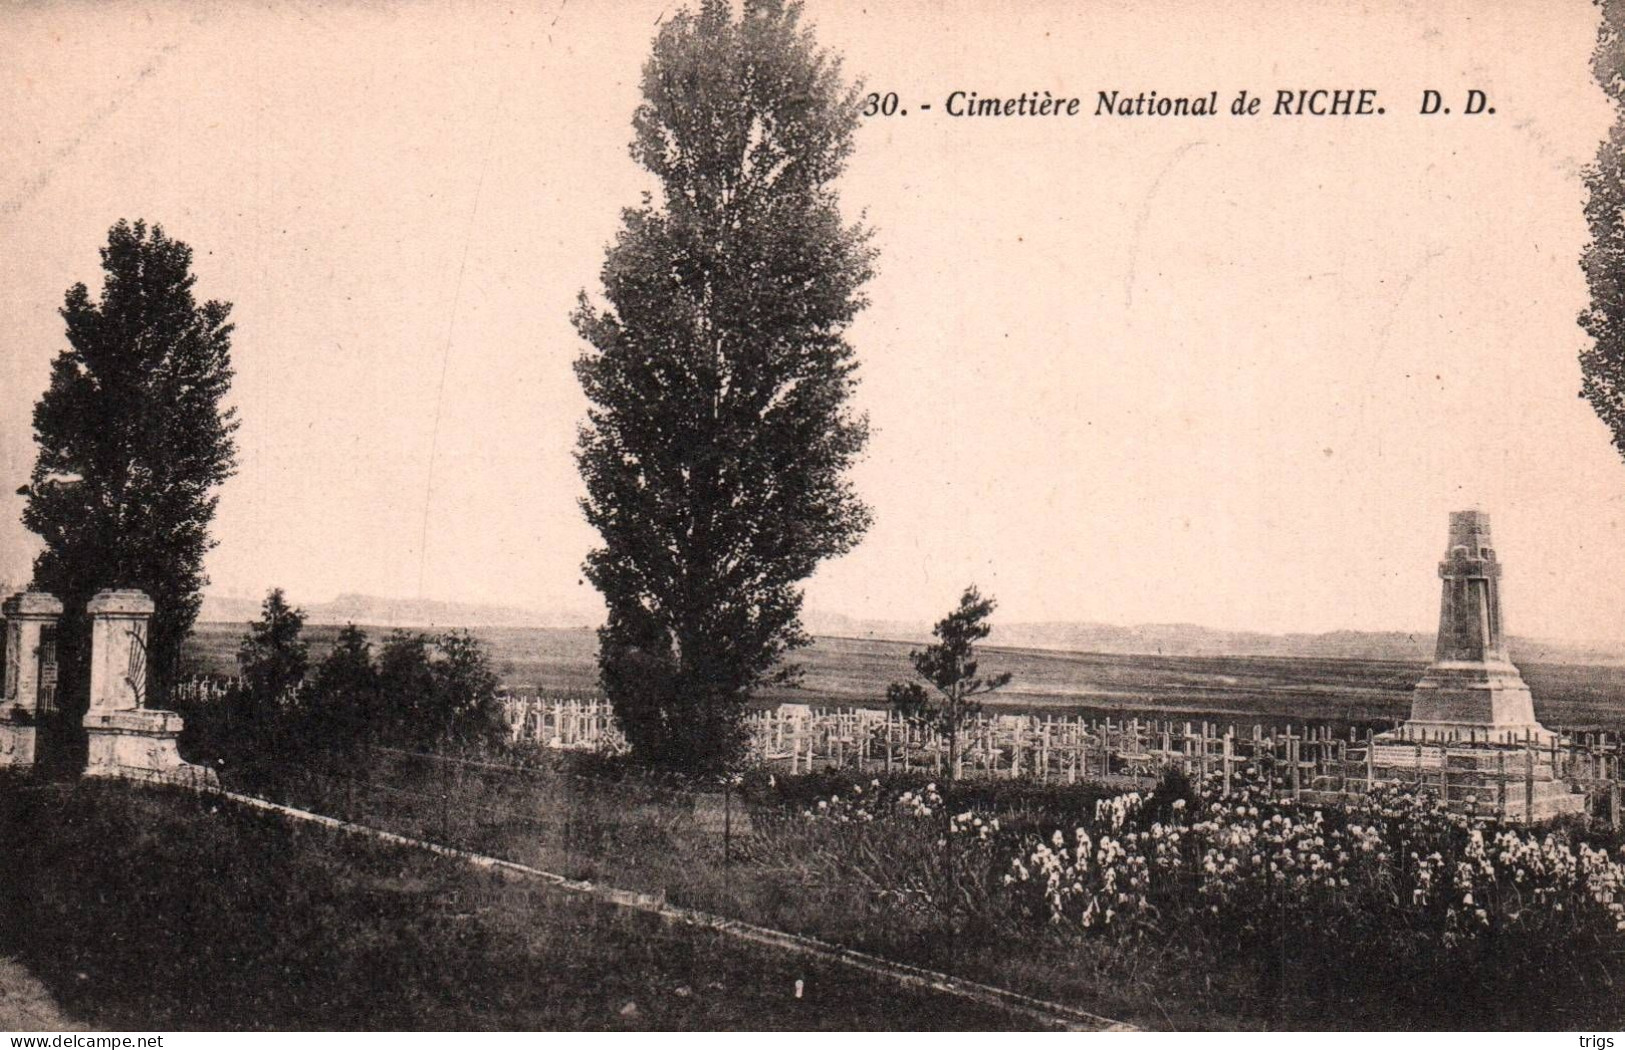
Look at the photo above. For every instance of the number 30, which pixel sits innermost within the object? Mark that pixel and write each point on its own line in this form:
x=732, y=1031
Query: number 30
x=880, y=105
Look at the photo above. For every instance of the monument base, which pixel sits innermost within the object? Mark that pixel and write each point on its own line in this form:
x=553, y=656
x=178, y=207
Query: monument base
x=1508, y=780
x=1473, y=701
x=17, y=736
x=1418, y=731
x=141, y=745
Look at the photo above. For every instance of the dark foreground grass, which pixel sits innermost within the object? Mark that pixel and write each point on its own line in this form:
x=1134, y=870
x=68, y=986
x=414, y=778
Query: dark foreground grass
x=148, y=909
x=776, y=870
x=813, y=855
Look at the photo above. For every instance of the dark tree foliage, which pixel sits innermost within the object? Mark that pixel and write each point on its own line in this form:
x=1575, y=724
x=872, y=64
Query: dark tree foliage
x=133, y=442
x=271, y=662
x=406, y=689
x=1602, y=364
x=719, y=434
x=435, y=692
x=342, y=703
x=466, y=688
x=273, y=656
x=950, y=667
x=420, y=692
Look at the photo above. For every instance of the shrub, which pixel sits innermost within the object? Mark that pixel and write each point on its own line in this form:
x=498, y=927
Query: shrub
x=419, y=692
x=342, y=703
x=435, y=692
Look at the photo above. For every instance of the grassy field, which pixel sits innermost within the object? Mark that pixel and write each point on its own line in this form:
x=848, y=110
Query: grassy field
x=142, y=909
x=853, y=671
x=850, y=863
x=660, y=837
x=182, y=911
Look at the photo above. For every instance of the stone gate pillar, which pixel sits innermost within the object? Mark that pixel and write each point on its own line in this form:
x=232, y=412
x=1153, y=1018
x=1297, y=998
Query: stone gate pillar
x=127, y=738
x=28, y=617
x=118, y=650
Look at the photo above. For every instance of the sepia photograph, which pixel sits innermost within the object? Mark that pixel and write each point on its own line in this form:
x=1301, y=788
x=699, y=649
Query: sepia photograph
x=953, y=516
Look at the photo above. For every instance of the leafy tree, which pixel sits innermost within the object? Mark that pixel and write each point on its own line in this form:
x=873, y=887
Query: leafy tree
x=466, y=687
x=719, y=434
x=1602, y=364
x=406, y=687
x=435, y=692
x=273, y=656
x=950, y=667
x=342, y=703
x=263, y=708
x=133, y=442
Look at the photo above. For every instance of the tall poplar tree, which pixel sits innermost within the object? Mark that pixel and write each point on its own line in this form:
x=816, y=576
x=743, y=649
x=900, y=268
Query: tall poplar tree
x=716, y=446
x=133, y=442
x=1602, y=364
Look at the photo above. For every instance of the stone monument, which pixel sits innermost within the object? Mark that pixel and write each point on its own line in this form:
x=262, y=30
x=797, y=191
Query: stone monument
x=1472, y=691
x=29, y=683
x=1472, y=734
x=127, y=738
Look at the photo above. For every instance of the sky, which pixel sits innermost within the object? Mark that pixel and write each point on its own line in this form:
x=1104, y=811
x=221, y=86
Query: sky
x=1224, y=371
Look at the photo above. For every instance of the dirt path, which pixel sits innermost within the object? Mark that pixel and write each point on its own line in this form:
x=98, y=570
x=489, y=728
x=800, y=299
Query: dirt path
x=26, y=1006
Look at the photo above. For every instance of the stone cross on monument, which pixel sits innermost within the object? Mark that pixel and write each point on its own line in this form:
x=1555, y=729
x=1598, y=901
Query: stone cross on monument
x=1472, y=691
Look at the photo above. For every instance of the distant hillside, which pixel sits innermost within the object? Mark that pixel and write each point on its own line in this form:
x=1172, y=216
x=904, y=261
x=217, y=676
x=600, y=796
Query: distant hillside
x=1183, y=639
x=1177, y=639
x=399, y=612
x=1239, y=689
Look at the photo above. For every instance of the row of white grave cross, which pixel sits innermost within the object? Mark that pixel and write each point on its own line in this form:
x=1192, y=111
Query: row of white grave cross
x=125, y=737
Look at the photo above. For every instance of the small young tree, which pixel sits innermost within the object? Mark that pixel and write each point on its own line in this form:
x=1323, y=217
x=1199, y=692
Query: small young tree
x=406, y=687
x=950, y=667
x=273, y=656
x=271, y=659
x=435, y=691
